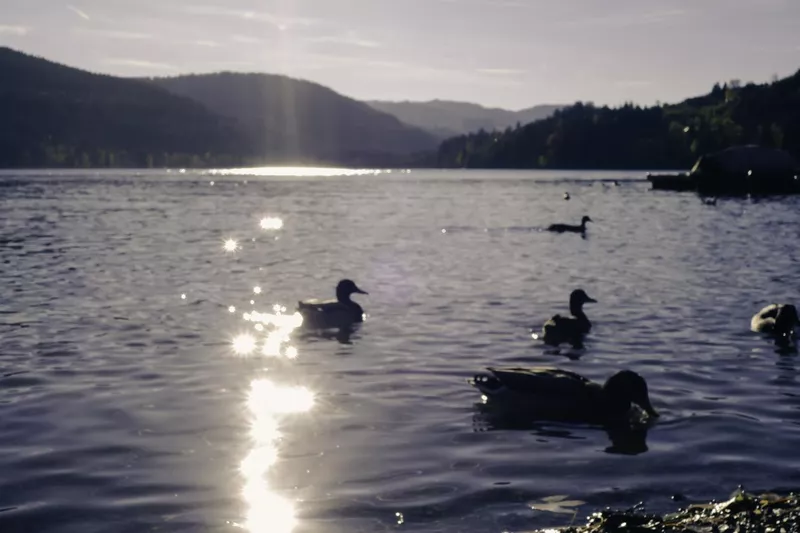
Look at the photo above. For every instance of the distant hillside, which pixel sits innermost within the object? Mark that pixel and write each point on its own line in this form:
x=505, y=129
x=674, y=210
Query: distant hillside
x=300, y=120
x=444, y=118
x=57, y=116
x=674, y=136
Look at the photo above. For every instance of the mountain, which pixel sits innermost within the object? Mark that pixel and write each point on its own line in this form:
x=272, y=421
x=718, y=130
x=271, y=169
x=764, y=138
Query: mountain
x=445, y=119
x=299, y=120
x=631, y=137
x=54, y=115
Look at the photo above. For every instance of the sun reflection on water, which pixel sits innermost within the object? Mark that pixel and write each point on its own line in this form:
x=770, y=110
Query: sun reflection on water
x=271, y=223
x=230, y=245
x=268, y=403
x=276, y=329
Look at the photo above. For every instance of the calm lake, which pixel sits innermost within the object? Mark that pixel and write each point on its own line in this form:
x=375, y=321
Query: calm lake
x=140, y=391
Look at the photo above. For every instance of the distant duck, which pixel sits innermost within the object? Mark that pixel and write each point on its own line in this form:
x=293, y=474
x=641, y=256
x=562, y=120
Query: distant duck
x=566, y=196
x=554, y=394
x=561, y=228
x=616, y=183
x=571, y=329
x=342, y=312
x=778, y=320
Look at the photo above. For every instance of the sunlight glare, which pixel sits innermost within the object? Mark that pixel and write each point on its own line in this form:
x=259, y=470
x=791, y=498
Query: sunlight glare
x=232, y=309
x=267, y=398
x=259, y=461
x=267, y=511
x=230, y=245
x=271, y=223
x=244, y=344
x=257, y=290
x=298, y=172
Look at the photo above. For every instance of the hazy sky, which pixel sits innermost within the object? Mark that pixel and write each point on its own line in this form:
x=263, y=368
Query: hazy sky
x=508, y=53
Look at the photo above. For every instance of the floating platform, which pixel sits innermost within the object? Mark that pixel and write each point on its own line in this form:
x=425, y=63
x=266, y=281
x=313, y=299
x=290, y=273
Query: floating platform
x=736, y=171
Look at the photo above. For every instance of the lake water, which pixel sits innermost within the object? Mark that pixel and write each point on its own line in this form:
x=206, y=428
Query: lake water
x=133, y=398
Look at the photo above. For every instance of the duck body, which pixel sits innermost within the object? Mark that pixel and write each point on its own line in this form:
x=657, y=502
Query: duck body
x=561, y=395
x=569, y=228
x=338, y=313
x=560, y=329
x=779, y=320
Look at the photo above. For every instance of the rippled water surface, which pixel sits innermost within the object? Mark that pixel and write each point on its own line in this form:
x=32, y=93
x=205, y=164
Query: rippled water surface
x=152, y=380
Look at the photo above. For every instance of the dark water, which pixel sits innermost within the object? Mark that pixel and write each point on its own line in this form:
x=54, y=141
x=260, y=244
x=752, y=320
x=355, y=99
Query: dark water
x=124, y=406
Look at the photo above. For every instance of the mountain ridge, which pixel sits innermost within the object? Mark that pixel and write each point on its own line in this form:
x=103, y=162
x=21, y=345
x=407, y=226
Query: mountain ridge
x=446, y=118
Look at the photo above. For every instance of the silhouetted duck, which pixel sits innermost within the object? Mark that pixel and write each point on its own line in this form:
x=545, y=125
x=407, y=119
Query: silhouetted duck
x=778, y=320
x=554, y=394
x=328, y=314
x=561, y=228
x=569, y=329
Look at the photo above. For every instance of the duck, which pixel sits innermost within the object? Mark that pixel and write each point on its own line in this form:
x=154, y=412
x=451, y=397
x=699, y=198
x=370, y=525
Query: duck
x=566, y=196
x=778, y=320
x=340, y=313
x=570, y=329
x=560, y=395
x=561, y=228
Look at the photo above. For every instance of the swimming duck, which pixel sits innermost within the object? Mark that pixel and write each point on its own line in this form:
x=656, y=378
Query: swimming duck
x=561, y=228
x=566, y=196
x=570, y=329
x=779, y=320
x=329, y=314
x=555, y=394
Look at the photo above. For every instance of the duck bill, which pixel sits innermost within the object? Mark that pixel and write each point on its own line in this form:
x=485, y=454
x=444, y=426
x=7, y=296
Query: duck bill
x=590, y=300
x=359, y=291
x=648, y=407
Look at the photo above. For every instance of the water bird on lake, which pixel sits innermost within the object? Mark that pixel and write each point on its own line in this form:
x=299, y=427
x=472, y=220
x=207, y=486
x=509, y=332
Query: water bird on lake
x=342, y=312
x=566, y=196
x=778, y=320
x=571, y=329
x=554, y=394
x=561, y=228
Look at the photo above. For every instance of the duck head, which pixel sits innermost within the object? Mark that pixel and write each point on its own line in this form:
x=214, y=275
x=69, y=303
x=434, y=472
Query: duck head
x=577, y=298
x=627, y=387
x=347, y=288
x=785, y=322
x=586, y=219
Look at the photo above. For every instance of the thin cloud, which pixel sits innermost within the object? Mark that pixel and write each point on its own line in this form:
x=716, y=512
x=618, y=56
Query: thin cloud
x=205, y=43
x=115, y=34
x=501, y=71
x=633, y=19
x=633, y=83
x=20, y=31
x=348, y=39
x=139, y=64
x=280, y=22
x=402, y=70
x=245, y=39
x=81, y=14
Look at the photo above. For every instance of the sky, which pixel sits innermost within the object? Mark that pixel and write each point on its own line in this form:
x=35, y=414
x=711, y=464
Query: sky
x=503, y=53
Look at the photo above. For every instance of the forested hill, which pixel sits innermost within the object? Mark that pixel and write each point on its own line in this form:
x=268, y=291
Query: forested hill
x=57, y=116
x=630, y=137
x=303, y=120
x=445, y=118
